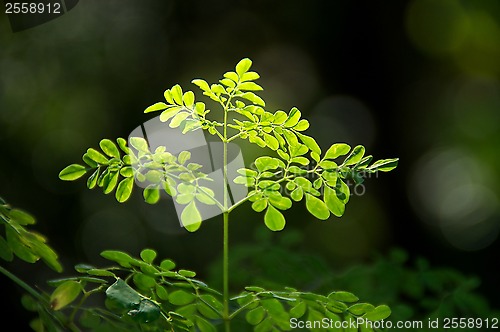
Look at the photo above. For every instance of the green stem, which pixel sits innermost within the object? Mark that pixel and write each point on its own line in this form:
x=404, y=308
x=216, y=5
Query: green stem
x=225, y=267
x=23, y=285
x=225, y=263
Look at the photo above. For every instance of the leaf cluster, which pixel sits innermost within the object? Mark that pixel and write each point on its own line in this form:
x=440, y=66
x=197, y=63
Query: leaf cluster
x=147, y=296
x=301, y=170
x=18, y=240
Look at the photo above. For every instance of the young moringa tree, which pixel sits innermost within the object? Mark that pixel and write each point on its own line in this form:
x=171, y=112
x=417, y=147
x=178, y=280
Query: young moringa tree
x=300, y=170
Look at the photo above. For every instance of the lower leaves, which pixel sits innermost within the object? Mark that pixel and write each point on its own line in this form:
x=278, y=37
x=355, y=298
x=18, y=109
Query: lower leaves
x=141, y=295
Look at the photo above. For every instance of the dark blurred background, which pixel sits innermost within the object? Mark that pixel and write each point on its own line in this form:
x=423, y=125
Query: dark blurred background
x=418, y=80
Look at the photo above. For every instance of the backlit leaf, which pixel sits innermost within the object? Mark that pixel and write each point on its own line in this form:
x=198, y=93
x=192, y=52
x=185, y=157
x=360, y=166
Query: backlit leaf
x=243, y=66
x=266, y=163
x=64, y=294
x=156, y=107
x=151, y=194
x=177, y=94
x=170, y=113
x=334, y=204
x=310, y=143
x=274, y=219
x=293, y=118
x=191, y=217
x=249, y=86
x=337, y=150
x=124, y=189
x=355, y=156
x=110, y=148
x=72, y=172
x=317, y=207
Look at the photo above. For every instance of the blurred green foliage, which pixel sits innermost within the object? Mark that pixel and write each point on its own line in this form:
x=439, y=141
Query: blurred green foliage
x=413, y=288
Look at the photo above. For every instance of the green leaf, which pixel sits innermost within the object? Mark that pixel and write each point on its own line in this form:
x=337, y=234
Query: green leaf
x=202, y=84
x=18, y=246
x=280, y=202
x=72, y=172
x=148, y=255
x=147, y=312
x=64, y=294
x=151, y=194
x=309, y=142
x=110, y=182
x=297, y=194
x=110, y=148
x=89, y=161
x=167, y=265
x=231, y=75
x=317, y=207
x=271, y=141
x=253, y=98
x=177, y=94
x=188, y=99
x=183, y=157
x=205, y=198
x=250, y=86
x=97, y=156
x=139, y=143
x=21, y=217
x=181, y=297
x=191, y=217
x=300, y=160
x=143, y=281
x=178, y=119
x=274, y=219
x=259, y=205
x=280, y=117
x=249, y=76
x=384, y=165
x=161, y=292
x=170, y=113
x=298, y=150
x=298, y=310
x=293, y=118
x=266, y=163
x=119, y=257
x=124, y=189
x=302, y=125
x=343, y=296
x=337, y=150
x=203, y=325
x=156, y=107
x=122, y=295
x=92, y=180
x=257, y=140
x=255, y=316
x=379, y=313
x=355, y=156
x=122, y=143
x=359, y=309
x=334, y=204
x=243, y=66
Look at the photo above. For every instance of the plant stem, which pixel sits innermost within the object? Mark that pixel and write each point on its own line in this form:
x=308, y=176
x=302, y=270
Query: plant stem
x=225, y=263
x=225, y=276
x=23, y=285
